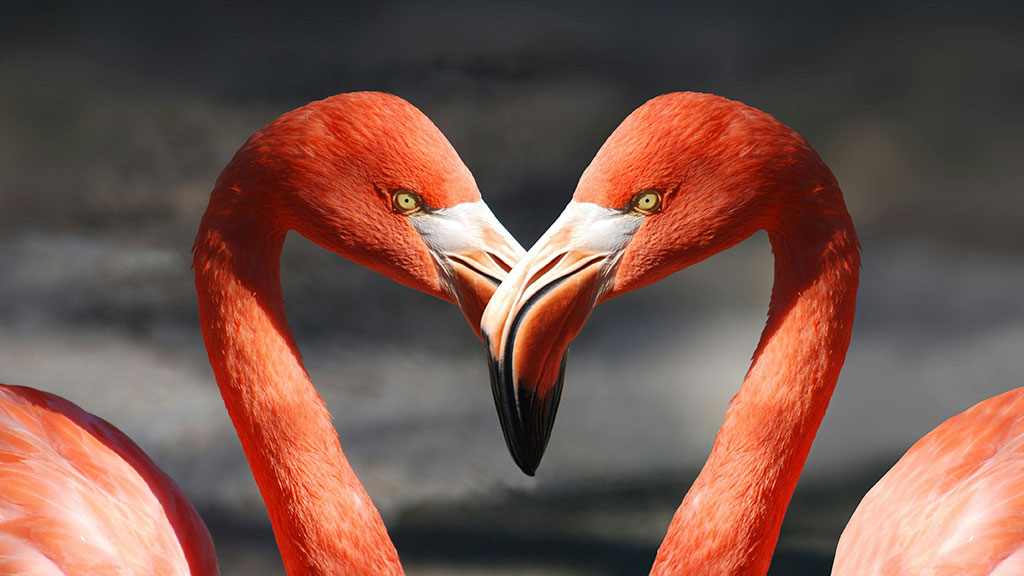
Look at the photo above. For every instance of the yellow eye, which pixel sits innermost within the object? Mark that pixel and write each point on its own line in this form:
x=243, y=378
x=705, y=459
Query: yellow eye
x=646, y=202
x=406, y=201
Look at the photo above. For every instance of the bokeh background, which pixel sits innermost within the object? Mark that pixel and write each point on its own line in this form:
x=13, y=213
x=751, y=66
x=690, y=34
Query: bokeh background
x=116, y=119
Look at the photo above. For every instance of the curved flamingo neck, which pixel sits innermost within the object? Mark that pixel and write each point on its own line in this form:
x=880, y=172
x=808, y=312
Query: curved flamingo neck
x=323, y=519
x=729, y=521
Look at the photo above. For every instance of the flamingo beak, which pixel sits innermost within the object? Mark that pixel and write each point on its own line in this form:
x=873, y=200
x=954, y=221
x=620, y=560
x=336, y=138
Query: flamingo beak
x=536, y=313
x=473, y=253
x=476, y=274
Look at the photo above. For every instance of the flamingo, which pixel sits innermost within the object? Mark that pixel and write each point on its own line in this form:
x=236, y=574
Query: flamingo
x=686, y=176
x=365, y=175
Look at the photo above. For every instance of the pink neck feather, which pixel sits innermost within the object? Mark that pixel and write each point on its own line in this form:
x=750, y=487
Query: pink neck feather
x=323, y=519
x=729, y=522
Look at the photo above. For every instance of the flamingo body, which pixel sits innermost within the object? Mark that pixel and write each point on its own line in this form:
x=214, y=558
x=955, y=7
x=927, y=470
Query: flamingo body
x=78, y=497
x=953, y=504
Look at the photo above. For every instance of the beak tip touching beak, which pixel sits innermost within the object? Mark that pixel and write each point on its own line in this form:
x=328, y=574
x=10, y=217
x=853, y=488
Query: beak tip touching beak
x=536, y=312
x=526, y=416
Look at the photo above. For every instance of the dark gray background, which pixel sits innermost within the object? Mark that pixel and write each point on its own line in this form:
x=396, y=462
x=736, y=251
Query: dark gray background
x=115, y=121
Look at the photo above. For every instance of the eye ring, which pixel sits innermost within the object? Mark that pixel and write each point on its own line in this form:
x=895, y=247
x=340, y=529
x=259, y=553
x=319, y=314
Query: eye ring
x=645, y=202
x=406, y=201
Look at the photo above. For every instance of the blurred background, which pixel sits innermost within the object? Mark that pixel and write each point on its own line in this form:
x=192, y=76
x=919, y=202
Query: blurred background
x=115, y=121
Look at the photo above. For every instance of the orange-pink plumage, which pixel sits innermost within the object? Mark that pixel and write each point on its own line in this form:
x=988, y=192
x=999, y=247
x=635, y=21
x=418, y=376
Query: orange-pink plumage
x=953, y=504
x=79, y=497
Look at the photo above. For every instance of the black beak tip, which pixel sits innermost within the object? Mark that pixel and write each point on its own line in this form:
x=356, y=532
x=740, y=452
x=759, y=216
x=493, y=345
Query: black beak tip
x=526, y=451
x=528, y=467
x=526, y=417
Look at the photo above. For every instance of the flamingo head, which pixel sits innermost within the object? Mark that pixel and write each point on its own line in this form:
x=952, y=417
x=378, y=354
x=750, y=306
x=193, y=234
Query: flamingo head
x=683, y=177
x=370, y=177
